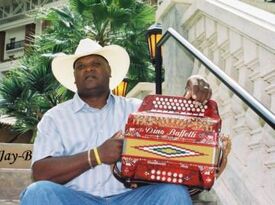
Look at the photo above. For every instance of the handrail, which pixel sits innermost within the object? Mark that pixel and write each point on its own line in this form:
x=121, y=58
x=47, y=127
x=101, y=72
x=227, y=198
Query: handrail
x=251, y=101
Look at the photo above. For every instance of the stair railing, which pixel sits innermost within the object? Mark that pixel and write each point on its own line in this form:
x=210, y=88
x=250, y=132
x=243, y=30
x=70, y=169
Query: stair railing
x=246, y=97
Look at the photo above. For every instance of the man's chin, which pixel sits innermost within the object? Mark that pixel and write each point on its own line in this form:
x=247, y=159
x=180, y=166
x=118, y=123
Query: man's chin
x=92, y=91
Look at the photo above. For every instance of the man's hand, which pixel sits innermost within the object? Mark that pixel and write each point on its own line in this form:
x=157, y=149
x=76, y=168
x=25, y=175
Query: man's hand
x=226, y=148
x=198, y=89
x=110, y=151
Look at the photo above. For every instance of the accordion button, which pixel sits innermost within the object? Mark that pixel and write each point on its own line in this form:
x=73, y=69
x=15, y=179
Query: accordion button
x=169, y=174
x=180, y=181
x=164, y=173
x=175, y=175
x=169, y=179
x=208, y=180
x=180, y=175
x=174, y=180
x=158, y=177
x=163, y=178
x=153, y=171
x=152, y=176
x=158, y=172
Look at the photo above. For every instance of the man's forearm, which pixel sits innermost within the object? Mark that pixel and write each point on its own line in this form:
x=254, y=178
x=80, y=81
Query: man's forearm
x=62, y=169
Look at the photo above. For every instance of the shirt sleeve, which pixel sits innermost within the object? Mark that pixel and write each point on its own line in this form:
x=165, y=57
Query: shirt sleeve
x=48, y=141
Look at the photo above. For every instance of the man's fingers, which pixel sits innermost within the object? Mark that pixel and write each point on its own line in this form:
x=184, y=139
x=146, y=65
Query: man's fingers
x=187, y=94
x=118, y=135
x=202, y=94
x=209, y=94
x=226, y=145
x=198, y=89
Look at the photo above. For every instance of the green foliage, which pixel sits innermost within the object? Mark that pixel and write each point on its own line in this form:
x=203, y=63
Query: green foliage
x=122, y=22
x=30, y=89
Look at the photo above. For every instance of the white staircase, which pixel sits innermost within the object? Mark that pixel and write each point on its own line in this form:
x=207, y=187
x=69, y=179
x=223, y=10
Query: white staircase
x=240, y=39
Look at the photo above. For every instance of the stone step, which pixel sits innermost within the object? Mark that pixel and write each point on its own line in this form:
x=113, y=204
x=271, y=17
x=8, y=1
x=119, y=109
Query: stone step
x=13, y=182
x=9, y=202
x=199, y=202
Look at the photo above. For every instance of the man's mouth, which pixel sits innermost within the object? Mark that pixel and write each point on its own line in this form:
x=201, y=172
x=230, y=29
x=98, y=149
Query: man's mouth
x=90, y=77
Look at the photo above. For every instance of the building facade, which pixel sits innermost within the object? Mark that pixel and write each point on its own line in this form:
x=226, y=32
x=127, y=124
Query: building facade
x=18, y=27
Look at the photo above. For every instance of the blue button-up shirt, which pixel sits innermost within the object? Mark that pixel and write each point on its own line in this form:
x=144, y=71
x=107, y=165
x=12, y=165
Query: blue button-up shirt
x=73, y=126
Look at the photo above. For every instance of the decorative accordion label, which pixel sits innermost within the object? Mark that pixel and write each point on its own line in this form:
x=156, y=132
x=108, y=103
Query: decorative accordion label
x=171, y=139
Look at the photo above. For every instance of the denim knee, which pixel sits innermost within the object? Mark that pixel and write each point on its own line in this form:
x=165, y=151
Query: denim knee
x=174, y=193
x=37, y=191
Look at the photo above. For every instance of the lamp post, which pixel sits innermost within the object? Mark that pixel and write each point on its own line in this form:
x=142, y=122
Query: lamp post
x=121, y=89
x=153, y=35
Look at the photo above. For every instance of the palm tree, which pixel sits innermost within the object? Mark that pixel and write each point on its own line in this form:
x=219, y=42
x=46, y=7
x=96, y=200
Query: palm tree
x=121, y=22
x=30, y=89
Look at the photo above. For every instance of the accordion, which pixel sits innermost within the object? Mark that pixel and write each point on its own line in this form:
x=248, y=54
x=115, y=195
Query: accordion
x=172, y=140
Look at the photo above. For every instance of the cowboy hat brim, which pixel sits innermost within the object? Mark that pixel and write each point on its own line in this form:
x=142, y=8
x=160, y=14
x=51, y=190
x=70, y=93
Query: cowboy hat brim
x=118, y=58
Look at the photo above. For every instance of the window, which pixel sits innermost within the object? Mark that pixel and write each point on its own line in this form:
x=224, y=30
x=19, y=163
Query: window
x=12, y=43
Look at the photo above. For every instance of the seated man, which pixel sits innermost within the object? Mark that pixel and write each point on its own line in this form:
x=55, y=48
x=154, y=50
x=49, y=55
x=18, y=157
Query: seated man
x=78, y=140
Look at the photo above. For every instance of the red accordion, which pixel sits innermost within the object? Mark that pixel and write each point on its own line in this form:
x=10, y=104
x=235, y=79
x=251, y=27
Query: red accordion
x=172, y=140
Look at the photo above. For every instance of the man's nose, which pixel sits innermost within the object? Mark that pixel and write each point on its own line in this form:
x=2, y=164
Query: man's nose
x=89, y=67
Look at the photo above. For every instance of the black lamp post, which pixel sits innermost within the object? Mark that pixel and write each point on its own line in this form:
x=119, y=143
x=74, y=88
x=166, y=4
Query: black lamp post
x=153, y=35
x=121, y=89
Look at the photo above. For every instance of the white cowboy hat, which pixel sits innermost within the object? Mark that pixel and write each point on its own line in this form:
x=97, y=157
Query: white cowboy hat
x=118, y=58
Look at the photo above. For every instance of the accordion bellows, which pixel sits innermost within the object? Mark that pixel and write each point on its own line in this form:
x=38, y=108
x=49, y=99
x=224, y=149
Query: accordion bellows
x=172, y=140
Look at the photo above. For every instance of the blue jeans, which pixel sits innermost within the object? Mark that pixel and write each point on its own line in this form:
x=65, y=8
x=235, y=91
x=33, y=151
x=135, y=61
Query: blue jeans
x=49, y=193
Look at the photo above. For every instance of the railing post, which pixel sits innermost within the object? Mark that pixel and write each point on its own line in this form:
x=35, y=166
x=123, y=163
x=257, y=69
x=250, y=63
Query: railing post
x=158, y=68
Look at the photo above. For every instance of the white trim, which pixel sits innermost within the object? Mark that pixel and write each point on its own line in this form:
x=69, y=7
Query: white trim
x=17, y=23
x=142, y=89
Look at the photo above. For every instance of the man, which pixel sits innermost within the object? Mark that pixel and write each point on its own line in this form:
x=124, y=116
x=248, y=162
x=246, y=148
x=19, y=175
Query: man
x=78, y=140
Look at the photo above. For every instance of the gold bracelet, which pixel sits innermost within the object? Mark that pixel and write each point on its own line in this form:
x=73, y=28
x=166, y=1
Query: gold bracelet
x=98, y=161
x=89, y=159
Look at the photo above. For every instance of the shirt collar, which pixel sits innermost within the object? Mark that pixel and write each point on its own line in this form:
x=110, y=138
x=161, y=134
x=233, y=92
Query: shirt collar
x=79, y=104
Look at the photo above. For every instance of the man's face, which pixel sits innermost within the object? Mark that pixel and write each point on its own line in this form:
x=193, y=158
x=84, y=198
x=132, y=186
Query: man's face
x=92, y=75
